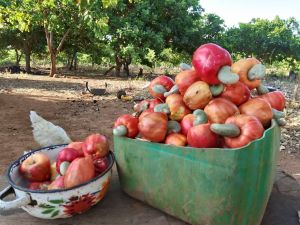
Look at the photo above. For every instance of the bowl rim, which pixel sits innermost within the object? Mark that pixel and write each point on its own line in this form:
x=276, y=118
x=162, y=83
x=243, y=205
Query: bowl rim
x=17, y=162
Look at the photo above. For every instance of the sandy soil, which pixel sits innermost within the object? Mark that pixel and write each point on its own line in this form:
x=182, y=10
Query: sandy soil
x=64, y=102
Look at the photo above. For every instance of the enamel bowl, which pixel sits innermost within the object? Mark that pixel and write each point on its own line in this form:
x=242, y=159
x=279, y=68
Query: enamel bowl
x=54, y=204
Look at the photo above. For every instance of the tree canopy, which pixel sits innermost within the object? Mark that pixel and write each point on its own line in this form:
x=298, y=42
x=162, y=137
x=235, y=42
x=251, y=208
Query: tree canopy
x=137, y=31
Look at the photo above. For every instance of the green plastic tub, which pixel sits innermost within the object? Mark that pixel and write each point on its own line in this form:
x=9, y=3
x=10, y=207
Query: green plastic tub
x=201, y=186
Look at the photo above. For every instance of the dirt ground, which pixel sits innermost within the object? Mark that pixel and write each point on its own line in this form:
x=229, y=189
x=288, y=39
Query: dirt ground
x=64, y=102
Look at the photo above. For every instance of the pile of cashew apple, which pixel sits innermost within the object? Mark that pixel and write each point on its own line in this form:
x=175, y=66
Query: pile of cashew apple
x=214, y=103
x=77, y=163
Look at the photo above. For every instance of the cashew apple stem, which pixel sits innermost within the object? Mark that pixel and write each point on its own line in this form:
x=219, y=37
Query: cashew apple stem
x=200, y=117
x=173, y=90
x=120, y=130
x=173, y=127
x=158, y=88
x=227, y=130
x=162, y=108
x=226, y=76
x=216, y=89
x=262, y=89
x=257, y=72
x=184, y=66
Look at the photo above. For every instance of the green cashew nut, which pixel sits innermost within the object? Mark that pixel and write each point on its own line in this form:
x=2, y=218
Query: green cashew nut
x=120, y=131
x=145, y=106
x=173, y=127
x=162, y=108
x=226, y=130
x=226, y=76
x=281, y=122
x=185, y=66
x=216, y=89
x=257, y=72
x=158, y=88
x=262, y=89
x=63, y=167
x=173, y=90
x=200, y=117
x=277, y=114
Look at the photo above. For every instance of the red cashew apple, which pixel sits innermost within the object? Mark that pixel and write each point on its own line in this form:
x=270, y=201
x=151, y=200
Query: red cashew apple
x=239, y=130
x=276, y=99
x=212, y=64
x=237, y=93
x=141, y=106
x=159, y=86
x=177, y=107
x=80, y=171
x=186, y=123
x=77, y=145
x=36, y=167
x=248, y=70
x=95, y=145
x=154, y=126
x=58, y=183
x=101, y=165
x=219, y=109
x=39, y=185
x=197, y=95
x=186, y=78
x=54, y=172
x=201, y=136
x=259, y=108
x=176, y=139
x=154, y=102
x=190, y=120
x=146, y=104
x=126, y=125
x=65, y=155
x=146, y=112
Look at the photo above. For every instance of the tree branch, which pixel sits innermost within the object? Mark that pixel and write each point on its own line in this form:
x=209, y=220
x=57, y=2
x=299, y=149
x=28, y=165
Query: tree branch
x=63, y=40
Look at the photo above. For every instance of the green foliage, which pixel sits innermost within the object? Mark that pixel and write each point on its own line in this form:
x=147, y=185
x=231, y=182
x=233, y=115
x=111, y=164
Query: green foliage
x=269, y=41
x=141, y=32
x=7, y=57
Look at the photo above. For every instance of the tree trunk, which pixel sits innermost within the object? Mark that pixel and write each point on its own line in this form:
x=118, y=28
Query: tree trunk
x=71, y=63
x=53, y=70
x=75, y=60
x=126, y=68
x=292, y=75
x=52, y=50
x=118, y=69
x=296, y=96
x=27, y=61
x=126, y=64
x=68, y=61
x=93, y=59
x=118, y=65
x=18, y=57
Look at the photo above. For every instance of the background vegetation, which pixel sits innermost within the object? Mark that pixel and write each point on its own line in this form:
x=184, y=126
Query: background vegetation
x=119, y=34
